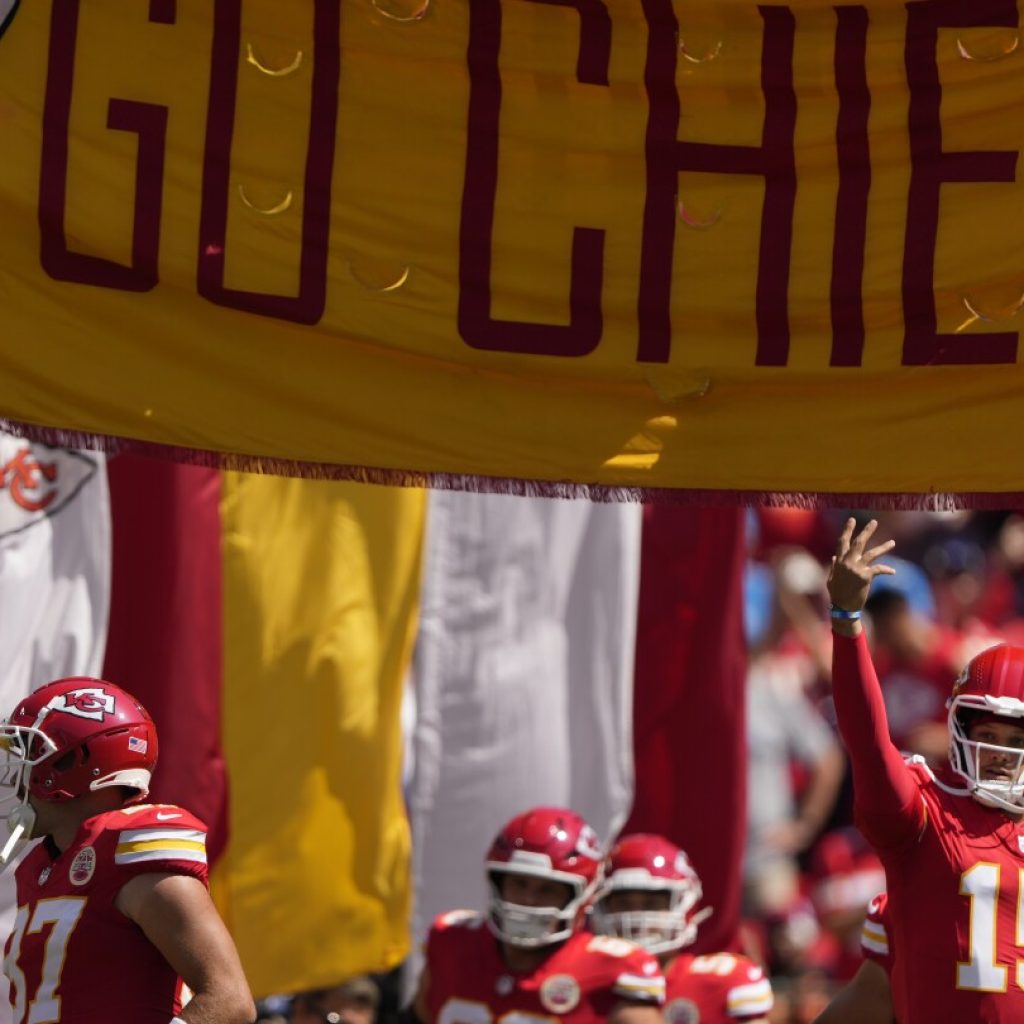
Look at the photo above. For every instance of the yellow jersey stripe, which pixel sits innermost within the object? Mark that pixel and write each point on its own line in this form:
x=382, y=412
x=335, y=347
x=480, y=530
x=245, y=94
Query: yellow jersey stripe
x=158, y=844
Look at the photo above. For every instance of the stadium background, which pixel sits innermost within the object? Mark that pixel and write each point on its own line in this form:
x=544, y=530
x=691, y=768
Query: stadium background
x=356, y=685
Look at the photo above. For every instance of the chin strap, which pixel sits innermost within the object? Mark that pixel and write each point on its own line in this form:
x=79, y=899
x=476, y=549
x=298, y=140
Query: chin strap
x=20, y=821
x=702, y=915
x=12, y=842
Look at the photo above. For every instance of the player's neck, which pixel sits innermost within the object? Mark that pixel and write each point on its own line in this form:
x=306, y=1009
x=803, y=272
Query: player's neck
x=63, y=833
x=666, y=960
x=522, y=960
x=65, y=820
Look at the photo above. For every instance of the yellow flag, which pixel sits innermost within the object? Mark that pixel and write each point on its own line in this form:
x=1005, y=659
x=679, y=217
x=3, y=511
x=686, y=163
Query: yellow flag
x=718, y=245
x=321, y=583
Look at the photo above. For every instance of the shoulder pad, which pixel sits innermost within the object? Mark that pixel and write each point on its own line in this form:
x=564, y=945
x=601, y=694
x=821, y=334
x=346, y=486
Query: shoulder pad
x=614, y=947
x=637, y=975
x=747, y=969
x=750, y=992
x=137, y=815
x=467, y=920
x=921, y=770
x=156, y=832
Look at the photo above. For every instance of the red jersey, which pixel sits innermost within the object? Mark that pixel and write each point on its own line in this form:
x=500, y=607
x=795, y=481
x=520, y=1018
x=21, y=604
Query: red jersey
x=954, y=868
x=874, y=935
x=73, y=956
x=579, y=983
x=715, y=989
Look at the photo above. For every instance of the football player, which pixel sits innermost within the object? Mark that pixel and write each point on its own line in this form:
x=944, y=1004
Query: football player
x=867, y=996
x=528, y=957
x=952, y=842
x=113, y=909
x=650, y=895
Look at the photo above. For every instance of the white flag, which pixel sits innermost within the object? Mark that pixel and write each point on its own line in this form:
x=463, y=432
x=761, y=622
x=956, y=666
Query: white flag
x=8, y=8
x=523, y=678
x=55, y=568
x=54, y=564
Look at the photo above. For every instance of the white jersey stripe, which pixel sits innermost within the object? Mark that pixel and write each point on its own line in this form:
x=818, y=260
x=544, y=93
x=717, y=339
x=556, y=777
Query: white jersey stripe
x=639, y=981
x=873, y=936
x=744, y=1000
x=141, y=835
x=634, y=986
x=196, y=856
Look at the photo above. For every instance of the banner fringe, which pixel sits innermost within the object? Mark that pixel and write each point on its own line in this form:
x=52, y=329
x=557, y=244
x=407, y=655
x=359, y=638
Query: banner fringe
x=907, y=501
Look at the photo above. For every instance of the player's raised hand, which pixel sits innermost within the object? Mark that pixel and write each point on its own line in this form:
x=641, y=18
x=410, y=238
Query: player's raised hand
x=854, y=566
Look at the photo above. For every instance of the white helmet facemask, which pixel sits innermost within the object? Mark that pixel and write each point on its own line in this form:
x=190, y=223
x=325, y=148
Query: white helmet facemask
x=658, y=931
x=16, y=764
x=966, y=755
x=520, y=925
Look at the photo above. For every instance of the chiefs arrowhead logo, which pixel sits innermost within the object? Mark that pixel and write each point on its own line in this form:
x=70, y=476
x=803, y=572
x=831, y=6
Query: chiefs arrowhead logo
x=588, y=844
x=37, y=481
x=8, y=9
x=88, y=702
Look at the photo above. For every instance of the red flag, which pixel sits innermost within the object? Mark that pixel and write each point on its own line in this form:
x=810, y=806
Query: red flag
x=689, y=722
x=164, y=642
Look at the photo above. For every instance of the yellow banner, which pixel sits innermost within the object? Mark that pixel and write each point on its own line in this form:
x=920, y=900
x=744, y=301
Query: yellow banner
x=321, y=586
x=711, y=245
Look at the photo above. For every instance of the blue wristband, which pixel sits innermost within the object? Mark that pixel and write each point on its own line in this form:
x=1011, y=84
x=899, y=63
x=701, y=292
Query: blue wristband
x=842, y=613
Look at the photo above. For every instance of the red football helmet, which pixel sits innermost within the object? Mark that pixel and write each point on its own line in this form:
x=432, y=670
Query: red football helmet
x=75, y=736
x=990, y=686
x=551, y=843
x=645, y=863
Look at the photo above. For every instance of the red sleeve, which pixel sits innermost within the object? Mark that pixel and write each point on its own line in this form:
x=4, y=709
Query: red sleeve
x=748, y=993
x=450, y=946
x=887, y=802
x=874, y=936
x=638, y=978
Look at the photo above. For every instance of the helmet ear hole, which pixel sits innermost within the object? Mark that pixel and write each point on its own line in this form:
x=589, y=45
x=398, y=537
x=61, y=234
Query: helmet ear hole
x=63, y=763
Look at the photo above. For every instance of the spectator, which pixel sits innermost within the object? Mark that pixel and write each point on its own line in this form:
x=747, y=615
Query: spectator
x=353, y=1002
x=784, y=726
x=845, y=874
x=915, y=658
x=273, y=1010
